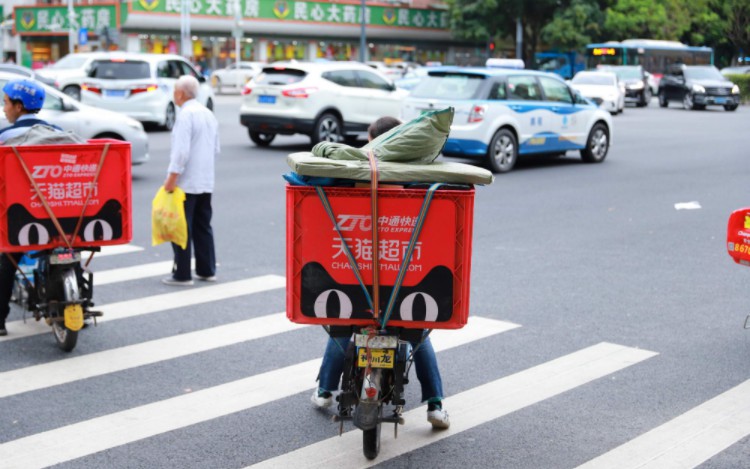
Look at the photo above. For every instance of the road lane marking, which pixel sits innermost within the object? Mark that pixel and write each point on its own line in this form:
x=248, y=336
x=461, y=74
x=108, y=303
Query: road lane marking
x=116, y=249
x=109, y=431
x=152, y=304
x=469, y=409
x=688, y=440
x=33, y=378
x=124, y=274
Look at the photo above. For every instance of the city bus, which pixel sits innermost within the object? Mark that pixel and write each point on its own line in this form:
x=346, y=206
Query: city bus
x=653, y=55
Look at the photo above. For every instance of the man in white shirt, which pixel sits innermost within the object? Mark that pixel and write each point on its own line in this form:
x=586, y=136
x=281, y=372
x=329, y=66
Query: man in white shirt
x=195, y=144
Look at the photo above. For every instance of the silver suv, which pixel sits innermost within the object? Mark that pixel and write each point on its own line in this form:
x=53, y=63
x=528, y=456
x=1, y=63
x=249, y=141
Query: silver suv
x=332, y=101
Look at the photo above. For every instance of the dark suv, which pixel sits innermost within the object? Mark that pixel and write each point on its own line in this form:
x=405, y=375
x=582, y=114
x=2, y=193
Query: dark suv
x=635, y=79
x=697, y=86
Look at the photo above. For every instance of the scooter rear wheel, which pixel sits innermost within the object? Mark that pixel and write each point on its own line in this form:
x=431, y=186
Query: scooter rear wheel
x=371, y=441
x=66, y=339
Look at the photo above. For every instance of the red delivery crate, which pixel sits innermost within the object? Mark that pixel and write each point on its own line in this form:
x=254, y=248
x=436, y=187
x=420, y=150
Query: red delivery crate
x=65, y=176
x=321, y=285
x=738, y=236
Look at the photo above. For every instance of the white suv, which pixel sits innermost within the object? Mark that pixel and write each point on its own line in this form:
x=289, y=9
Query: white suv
x=140, y=85
x=503, y=113
x=330, y=101
x=68, y=71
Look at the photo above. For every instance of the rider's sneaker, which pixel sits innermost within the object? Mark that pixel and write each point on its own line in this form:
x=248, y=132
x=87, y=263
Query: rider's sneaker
x=322, y=398
x=437, y=416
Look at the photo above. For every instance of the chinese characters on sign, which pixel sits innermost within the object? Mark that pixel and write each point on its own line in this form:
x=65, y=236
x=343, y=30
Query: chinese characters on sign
x=55, y=19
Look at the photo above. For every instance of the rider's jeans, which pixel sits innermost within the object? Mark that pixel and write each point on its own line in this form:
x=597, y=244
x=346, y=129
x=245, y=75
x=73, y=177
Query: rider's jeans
x=425, y=363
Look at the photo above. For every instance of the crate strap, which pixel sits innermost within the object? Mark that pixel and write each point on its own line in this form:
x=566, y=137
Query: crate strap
x=375, y=240
x=409, y=251
x=42, y=199
x=352, y=262
x=91, y=191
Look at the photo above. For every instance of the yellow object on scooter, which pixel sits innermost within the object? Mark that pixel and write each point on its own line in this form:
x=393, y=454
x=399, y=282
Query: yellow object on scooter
x=74, y=317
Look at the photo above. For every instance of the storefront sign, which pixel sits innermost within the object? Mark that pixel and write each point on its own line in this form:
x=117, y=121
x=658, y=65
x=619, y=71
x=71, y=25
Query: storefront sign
x=302, y=11
x=55, y=21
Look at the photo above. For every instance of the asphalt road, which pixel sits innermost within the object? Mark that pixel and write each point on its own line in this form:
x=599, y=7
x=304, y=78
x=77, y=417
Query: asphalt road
x=606, y=319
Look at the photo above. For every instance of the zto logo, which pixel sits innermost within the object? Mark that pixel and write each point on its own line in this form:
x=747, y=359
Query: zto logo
x=281, y=9
x=149, y=5
x=28, y=19
x=389, y=16
x=747, y=221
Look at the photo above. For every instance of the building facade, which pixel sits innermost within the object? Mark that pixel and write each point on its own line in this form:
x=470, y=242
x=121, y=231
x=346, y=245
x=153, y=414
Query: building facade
x=212, y=32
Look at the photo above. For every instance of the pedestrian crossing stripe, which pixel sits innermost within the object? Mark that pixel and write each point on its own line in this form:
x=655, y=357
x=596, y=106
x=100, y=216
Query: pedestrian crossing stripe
x=136, y=272
x=109, y=431
x=470, y=408
x=688, y=440
x=118, y=249
x=163, y=302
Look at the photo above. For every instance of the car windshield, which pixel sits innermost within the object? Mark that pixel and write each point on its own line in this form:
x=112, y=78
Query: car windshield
x=703, y=73
x=280, y=76
x=69, y=61
x=593, y=79
x=448, y=85
x=120, y=69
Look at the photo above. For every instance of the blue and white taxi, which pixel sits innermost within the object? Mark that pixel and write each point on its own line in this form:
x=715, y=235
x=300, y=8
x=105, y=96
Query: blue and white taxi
x=504, y=113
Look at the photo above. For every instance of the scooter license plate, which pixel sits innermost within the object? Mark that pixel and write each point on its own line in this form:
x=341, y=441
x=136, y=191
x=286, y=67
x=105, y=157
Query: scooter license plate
x=65, y=258
x=74, y=317
x=379, y=358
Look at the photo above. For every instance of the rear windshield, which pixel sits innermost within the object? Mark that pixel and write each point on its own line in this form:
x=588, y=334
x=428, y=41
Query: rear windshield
x=280, y=76
x=448, y=86
x=119, y=70
x=593, y=79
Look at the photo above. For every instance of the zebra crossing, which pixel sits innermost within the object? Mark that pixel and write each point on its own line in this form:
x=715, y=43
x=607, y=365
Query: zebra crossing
x=686, y=441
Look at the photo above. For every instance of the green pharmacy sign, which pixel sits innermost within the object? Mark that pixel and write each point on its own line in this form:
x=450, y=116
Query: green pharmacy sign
x=55, y=20
x=302, y=12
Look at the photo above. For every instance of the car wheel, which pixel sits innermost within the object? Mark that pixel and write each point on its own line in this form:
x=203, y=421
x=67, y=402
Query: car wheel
x=261, y=139
x=73, y=91
x=663, y=99
x=597, y=145
x=730, y=107
x=502, y=153
x=210, y=104
x=170, y=117
x=687, y=102
x=327, y=129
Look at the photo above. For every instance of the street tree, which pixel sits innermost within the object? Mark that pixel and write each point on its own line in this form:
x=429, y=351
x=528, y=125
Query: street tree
x=574, y=27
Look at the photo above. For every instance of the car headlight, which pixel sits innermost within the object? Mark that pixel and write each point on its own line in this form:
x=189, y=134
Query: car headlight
x=136, y=125
x=611, y=97
x=636, y=86
x=698, y=89
x=735, y=89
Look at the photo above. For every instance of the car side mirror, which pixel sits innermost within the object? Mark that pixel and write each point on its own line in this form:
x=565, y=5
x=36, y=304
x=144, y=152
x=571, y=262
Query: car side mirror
x=201, y=79
x=67, y=106
x=579, y=97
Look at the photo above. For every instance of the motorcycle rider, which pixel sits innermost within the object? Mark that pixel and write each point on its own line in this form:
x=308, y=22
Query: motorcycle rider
x=22, y=100
x=425, y=361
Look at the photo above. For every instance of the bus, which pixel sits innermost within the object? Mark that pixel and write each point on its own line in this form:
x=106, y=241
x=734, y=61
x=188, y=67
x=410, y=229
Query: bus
x=653, y=55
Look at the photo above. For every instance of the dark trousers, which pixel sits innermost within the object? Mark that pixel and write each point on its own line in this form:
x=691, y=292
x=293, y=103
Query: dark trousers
x=7, y=277
x=200, y=236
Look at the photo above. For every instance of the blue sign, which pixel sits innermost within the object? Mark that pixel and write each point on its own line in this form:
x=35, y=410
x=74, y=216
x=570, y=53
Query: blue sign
x=83, y=36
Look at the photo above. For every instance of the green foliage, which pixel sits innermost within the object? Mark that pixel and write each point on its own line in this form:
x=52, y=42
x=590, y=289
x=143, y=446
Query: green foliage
x=743, y=81
x=737, y=28
x=574, y=27
x=637, y=19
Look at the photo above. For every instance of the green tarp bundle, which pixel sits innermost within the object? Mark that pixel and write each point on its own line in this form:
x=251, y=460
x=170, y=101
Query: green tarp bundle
x=405, y=153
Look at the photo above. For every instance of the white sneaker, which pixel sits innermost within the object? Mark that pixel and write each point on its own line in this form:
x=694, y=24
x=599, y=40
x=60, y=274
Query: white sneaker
x=438, y=418
x=320, y=401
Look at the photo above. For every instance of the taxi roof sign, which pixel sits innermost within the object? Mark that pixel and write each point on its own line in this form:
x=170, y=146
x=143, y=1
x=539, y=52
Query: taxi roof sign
x=517, y=64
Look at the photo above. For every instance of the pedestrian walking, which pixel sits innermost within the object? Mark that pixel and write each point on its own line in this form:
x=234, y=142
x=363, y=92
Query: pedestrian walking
x=195, y=145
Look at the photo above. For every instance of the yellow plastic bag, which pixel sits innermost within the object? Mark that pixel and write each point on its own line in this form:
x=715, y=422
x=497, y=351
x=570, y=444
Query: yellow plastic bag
x=168, y=222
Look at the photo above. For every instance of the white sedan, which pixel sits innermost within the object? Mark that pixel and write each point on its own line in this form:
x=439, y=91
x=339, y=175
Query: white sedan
x=603, y=88
x=234, y=76
x=86, y=121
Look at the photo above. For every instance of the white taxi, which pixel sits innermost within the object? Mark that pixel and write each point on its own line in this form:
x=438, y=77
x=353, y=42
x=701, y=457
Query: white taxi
x=503, y=113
